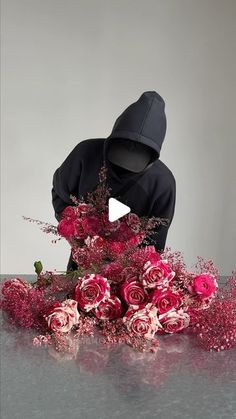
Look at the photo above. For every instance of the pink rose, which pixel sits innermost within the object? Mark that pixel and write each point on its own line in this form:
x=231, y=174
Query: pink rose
x=174, y=321
x=70, y=212
x=165, y=300
x=91, y=290
x=110, y=308
x=133, y=222
x=143, y=322
x=67, y=228
x=15, y=288
x=157, y=275
x=204, y=285
x=133, y=293
x=63, y=318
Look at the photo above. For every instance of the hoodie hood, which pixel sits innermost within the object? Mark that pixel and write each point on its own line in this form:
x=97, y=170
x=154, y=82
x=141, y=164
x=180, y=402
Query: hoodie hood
x=143, y=121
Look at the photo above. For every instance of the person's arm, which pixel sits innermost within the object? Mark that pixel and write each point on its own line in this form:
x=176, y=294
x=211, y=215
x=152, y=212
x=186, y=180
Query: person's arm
x=65, y=182
x=164, y=207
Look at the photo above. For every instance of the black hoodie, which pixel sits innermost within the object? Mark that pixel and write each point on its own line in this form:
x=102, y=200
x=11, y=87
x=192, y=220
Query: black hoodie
x=151, y=194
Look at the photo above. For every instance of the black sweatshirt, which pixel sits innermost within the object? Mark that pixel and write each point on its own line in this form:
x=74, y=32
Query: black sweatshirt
x=154, y=192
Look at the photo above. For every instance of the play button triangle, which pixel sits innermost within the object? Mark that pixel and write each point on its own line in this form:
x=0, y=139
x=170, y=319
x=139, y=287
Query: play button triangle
x=116, y=209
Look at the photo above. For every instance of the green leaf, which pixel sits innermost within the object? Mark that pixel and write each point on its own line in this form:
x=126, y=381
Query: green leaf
x=38, y=267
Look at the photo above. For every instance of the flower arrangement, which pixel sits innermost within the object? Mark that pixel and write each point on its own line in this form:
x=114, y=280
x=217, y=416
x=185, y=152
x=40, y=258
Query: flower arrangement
x=122, y=288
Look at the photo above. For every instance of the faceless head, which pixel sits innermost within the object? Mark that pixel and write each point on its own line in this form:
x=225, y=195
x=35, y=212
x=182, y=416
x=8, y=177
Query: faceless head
x=129, y=154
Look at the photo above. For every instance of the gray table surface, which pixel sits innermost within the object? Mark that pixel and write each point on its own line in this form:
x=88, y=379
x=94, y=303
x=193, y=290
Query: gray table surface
x=181, y=381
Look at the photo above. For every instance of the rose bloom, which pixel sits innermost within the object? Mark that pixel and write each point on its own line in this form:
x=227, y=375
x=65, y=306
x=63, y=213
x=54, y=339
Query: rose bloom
x=143, y=322
x=133, y=293
x=174, y=321
x=91, y=290
x=16, y=287
x=91, y=225
x=165, y=300
x=157, y=275
x=67, y=228
x=110, y=308
x=204, y=285
x=63, y=318
x=70, y=212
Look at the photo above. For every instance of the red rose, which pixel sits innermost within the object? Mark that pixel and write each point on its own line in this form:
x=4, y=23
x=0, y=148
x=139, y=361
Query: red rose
x=142, y=322
x=133, y=293
x=67, y=228
x=174, y=321
x=165, y=300
x=63, y=318
x=204, y=285
x=91, y=290
x=91, y=225
x=157, y=275
x=70, y=212
x=110, y=308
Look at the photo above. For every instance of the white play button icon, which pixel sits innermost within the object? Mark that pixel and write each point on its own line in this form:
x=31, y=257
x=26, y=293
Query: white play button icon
x=116, y=209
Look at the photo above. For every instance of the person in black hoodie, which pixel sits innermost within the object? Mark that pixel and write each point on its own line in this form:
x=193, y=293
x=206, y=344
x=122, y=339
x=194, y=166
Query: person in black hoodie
x=135, y=172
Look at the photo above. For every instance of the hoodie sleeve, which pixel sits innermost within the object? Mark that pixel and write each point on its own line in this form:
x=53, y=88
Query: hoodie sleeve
x=164, y=207
x=65, y=182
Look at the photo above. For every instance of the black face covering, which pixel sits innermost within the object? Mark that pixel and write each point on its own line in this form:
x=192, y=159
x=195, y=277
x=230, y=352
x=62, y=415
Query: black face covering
x=129, y=156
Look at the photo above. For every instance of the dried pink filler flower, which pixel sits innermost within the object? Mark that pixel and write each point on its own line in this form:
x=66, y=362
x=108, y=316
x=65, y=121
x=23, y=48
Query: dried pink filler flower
x=123, y=288
x=216, y=326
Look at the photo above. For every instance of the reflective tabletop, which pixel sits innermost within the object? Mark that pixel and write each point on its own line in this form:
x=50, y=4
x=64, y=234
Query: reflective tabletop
x=94, y=380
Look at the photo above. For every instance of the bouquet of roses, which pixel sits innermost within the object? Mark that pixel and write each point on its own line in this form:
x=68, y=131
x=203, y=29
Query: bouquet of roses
x=122, y=286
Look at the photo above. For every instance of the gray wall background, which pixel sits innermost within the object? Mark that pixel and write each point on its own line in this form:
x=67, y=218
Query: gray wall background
x=69, y=68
